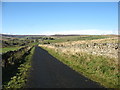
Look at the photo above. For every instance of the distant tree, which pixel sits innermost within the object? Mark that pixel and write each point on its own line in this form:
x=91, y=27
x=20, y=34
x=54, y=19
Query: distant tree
x=51, y=38
x=48, y=43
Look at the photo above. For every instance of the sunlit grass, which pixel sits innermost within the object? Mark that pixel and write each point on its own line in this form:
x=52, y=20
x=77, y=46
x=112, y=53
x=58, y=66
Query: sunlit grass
x=6, y=49
x=98, y=68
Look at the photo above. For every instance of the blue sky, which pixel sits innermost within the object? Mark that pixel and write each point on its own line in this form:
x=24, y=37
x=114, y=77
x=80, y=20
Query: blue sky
x=60, y=18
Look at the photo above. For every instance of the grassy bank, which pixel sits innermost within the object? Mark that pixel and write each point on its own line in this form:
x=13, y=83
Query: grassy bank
x=97, y=68
x=19, y=80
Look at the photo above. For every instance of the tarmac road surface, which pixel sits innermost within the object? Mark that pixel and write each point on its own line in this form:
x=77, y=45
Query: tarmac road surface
x=48, y=72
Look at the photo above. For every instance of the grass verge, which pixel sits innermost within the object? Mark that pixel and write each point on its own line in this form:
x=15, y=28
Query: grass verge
x=19, y=80
x=94, y=67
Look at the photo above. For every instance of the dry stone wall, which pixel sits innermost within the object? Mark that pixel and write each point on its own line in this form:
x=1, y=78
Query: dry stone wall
x=105, y=47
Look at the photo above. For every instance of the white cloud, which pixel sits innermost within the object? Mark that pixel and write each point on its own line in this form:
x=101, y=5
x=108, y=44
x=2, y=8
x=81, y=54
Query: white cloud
x=87, y=32
x=80, y=32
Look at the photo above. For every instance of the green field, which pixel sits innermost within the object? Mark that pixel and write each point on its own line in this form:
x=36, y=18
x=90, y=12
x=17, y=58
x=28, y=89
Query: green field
x=6, y=49
x=74, y=38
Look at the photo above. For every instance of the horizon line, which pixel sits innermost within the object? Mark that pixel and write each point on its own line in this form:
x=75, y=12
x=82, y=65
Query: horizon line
x=54, y=34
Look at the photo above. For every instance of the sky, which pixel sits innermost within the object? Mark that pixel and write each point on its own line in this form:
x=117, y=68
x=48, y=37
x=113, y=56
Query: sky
x=48, y=18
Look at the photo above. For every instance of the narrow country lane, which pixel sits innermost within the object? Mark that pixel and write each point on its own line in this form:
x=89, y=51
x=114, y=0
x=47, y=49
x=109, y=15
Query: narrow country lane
x=48, y=72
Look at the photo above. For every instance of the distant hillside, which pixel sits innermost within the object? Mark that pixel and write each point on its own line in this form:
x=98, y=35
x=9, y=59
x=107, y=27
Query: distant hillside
x=56, y=35
x=20, y=36
x=62, y=35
